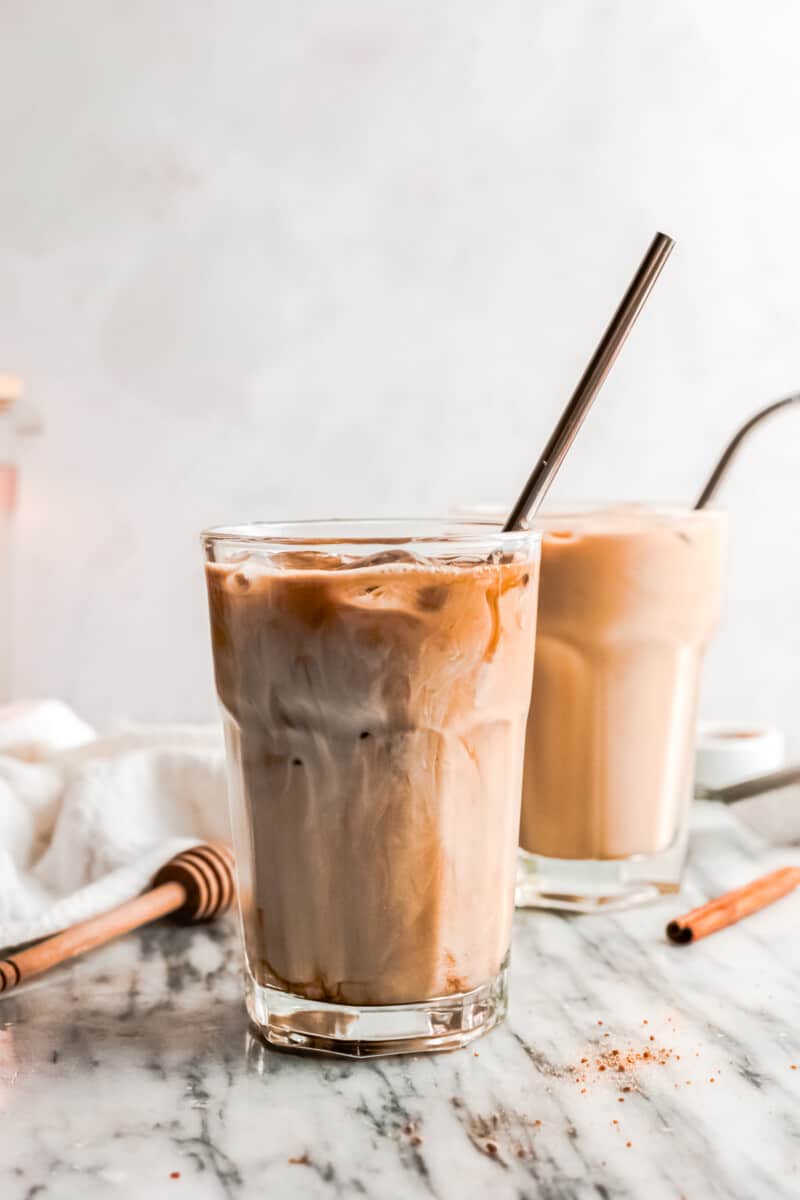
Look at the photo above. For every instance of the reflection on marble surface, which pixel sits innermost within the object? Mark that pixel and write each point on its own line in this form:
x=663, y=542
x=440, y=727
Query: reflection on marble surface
x=133, y=1073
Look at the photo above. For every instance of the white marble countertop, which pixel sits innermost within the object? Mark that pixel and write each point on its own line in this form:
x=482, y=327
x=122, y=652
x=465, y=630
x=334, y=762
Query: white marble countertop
x=133, y=1074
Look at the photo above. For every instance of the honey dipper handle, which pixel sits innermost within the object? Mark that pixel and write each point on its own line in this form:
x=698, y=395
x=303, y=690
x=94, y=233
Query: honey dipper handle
x=141, y=910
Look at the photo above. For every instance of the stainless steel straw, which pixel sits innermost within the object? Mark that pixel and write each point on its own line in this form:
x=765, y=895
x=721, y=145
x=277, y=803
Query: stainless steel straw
x=758, y=785
x=590, y=382
x=716, y=476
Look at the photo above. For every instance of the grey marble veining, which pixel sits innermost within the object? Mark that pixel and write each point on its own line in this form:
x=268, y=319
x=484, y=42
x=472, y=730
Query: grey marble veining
x=133, y=1073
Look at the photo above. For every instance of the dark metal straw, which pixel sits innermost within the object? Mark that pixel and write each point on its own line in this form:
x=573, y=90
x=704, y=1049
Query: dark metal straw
x=716, y=476
x=590, y=382
x=759, y=785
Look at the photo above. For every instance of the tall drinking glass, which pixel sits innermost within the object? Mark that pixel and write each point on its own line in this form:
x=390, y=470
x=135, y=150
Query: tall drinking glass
x=374, y=679
x=629, y=599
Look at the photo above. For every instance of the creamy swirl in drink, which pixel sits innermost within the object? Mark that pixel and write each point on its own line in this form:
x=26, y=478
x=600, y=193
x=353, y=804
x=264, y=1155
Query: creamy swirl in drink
x=375, y=712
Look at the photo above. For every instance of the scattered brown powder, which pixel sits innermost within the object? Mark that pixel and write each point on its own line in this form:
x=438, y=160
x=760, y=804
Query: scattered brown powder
x=627, y=1062
x=622, y=1061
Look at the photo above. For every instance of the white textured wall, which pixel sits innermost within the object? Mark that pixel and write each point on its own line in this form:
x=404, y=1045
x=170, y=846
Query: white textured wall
x=305, y=258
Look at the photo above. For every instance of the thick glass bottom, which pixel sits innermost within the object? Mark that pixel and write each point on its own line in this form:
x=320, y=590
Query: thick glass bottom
x=594, y=885
x=444, y=1023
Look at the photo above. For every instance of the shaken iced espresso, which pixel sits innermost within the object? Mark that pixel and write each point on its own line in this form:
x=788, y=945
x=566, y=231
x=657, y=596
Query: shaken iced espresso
x=374, y=694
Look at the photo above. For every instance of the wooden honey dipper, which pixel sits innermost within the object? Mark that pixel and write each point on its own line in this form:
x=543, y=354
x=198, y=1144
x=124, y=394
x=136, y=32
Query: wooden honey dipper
x=196, y=885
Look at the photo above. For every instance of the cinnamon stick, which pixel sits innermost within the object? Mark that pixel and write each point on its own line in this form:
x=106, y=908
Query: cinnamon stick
x=731, y=907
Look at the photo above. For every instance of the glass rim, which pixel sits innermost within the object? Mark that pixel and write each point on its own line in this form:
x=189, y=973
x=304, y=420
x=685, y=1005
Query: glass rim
x=373, y=531
x=583, y=509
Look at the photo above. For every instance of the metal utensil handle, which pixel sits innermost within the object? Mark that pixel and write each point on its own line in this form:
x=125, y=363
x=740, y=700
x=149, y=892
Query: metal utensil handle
x=757, y=786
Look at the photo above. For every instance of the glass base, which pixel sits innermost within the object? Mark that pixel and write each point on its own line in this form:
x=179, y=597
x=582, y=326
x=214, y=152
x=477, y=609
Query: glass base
x=595, y=885
x=444, y=1023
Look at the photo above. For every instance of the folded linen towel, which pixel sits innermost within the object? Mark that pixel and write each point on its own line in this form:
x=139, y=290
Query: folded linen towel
x=85, y=822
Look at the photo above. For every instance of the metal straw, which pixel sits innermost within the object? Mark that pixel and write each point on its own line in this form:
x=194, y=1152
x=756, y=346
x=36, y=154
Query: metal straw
x=758, y=785
x=590, y=382
x=716, y=476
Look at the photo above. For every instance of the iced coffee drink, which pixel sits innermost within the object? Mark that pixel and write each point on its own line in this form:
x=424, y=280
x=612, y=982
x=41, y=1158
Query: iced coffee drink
x=374, y=682
x=629, y=599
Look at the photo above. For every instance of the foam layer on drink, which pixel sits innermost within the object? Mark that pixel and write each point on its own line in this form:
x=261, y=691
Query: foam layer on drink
x=375, y=709
x=628, y=601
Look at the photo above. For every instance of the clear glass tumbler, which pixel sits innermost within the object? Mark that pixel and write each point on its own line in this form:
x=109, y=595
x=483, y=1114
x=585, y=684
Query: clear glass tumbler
x=629, y=599
x=374, y=679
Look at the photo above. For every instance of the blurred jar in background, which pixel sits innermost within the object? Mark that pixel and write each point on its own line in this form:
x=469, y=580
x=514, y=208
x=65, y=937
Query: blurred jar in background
x=11, y=391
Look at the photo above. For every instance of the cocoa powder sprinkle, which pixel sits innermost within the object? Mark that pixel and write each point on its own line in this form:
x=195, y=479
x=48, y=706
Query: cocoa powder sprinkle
x=621, y=1061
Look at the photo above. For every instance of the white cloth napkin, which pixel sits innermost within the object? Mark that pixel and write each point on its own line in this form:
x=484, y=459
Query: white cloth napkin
x=85, y=822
